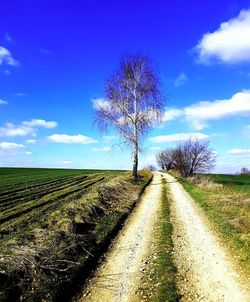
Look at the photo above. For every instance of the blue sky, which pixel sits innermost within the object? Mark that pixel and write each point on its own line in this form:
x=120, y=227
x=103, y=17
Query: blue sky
x=55, y=56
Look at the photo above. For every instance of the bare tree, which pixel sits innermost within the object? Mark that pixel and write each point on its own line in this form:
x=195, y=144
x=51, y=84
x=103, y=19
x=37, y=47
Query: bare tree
x=165, y=159
x=193, y=156
x=133, y=103
x=244, y=171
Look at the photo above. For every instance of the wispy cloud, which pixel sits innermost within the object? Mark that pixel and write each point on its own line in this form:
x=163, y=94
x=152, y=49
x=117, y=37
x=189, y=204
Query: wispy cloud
x=10, y=145
x=20, y=94
x=3, y=102
x=239, y=151
x=171, y=114
x=177, y=137
x=6, y=72
x=109, y=137
x=40, y=123
x=30, y=141
x=8, y=38
x=230, y=43
x=71, y=139
x=102, y=149
x=28, y=153
x=100, y=103
x=66, y=162
x=6, y=57
x=181, y=80
x=26, y=127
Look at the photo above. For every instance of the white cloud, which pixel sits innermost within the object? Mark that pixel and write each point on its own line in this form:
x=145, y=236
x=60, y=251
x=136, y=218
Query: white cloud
x=109, y=137
x=2, y=102
x=66, y=162
x=102, y=149
x=100, y=103
x=9, y=145
x=171, y=114
x=155, y=148
x=230, y=43
x=40, y=123
x=30, y=141
x=28, y=153
x=239, y=151
x=71, y=139
x=12, y=130
x=198, y=114
x=181, y=80
x=177, y=137
x=6, y=57
x=26, y=127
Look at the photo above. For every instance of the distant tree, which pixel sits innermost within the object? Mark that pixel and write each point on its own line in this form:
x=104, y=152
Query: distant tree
x=133, y=102
x=193, y=156
x=151, y=168
x=244, y=171
x=165, y=159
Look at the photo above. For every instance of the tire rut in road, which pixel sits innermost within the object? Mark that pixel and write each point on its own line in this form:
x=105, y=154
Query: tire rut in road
x=206, y=271
x=116, y=280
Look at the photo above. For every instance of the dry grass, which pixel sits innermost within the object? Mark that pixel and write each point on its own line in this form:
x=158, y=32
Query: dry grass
x=229, y=210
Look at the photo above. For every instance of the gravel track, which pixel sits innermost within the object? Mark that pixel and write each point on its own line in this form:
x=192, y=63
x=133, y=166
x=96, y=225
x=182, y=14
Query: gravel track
x=206, y=271
x=117, y=278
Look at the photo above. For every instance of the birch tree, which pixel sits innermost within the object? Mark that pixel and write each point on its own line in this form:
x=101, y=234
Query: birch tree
x=132, y=104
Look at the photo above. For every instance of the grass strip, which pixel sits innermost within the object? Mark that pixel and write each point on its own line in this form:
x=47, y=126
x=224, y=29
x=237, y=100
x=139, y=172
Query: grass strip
x=159, y=281
x=221, y=216
x=165, y=268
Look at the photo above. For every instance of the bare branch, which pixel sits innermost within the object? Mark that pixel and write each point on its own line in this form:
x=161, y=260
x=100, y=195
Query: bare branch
x=133, y=102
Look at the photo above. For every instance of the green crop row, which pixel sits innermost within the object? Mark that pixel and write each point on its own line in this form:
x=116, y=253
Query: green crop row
x=21, y=214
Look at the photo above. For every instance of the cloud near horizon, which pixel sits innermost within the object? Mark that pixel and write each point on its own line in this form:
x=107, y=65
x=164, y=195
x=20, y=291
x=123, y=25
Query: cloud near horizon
x=230, y=43
x=239, y=152
x=177, y=137
x=71, y=139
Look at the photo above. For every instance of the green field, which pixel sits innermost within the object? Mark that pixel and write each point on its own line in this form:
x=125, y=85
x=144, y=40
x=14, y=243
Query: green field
x=55, y=223
x=27, y=194
x=238, y=182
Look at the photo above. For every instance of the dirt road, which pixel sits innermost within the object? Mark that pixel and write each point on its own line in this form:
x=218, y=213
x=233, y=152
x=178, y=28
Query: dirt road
x=117, y=279
x=206, y=272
